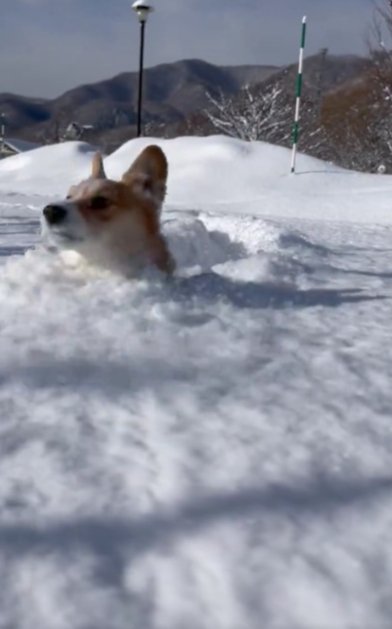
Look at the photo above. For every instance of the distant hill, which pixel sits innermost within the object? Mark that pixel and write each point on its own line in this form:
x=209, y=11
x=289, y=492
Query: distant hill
x=323, y=73
x=174, y=93
x=171, y=92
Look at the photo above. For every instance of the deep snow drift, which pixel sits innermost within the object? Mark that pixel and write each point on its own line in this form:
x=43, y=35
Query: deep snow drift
x=212, y=451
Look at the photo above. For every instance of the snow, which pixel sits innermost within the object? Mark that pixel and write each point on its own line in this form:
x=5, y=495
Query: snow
x=209, y=173
x=211, y=451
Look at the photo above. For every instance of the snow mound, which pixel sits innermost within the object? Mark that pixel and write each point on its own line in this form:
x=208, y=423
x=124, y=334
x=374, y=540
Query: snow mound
x=217, y=174
x=47, y=170
x=215, y=169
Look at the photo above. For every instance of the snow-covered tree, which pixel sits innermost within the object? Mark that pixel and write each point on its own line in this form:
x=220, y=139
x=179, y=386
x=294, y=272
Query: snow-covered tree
x=254, y=114
x=381, y=85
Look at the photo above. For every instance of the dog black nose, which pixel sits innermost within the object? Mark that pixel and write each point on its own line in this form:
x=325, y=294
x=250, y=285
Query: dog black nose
x=54, y=214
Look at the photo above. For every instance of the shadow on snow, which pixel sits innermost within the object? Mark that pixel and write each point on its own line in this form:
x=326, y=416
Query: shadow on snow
x=110, y=539
x=213, y=287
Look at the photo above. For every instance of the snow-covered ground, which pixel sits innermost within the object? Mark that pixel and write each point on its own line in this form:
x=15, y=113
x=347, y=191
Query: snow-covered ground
x=212, y=451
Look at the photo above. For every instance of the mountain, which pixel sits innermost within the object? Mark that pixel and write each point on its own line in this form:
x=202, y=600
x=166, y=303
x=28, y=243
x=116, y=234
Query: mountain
x=174, y=98
x=171, y=92
x=246, y=110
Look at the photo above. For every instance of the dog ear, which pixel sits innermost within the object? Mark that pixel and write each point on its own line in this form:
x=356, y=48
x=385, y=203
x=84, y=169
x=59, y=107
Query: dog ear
x=148, y=174
x=98, y=171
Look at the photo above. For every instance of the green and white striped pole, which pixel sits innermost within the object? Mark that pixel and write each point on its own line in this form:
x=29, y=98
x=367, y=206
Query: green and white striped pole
x=298, y=95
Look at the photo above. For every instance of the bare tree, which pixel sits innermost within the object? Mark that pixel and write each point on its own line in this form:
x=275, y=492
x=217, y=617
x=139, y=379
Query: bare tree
x=380, y=81
x=379, y=44
x=381, y=27
x=254, y=114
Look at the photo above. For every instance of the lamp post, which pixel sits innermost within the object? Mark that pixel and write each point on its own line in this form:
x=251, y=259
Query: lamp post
x=2, y=134
x=142, y=8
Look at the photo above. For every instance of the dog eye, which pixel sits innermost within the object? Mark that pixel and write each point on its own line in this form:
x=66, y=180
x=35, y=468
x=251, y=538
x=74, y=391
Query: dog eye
x=99, y=203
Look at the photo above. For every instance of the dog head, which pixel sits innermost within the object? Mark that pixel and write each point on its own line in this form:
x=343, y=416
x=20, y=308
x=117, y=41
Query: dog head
x=108, y=220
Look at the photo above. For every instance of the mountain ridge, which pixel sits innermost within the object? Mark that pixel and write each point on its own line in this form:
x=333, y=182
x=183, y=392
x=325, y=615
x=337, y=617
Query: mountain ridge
x=172, y=93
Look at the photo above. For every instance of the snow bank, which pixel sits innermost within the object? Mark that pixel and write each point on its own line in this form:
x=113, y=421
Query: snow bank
x=220, y=174
x=47, y=170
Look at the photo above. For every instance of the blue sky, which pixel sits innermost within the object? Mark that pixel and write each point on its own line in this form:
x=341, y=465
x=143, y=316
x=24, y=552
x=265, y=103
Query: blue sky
x=49, y=46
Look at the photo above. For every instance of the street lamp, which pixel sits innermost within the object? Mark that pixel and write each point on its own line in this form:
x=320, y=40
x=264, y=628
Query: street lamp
x=142, y=8
x=2, y=134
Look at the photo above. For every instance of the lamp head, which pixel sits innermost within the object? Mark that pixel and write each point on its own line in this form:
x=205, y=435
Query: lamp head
x=142, y=8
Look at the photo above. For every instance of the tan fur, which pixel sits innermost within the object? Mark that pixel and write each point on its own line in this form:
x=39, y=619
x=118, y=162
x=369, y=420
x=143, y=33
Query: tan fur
x=97, y=167
x=130, y=223
x=149, y=169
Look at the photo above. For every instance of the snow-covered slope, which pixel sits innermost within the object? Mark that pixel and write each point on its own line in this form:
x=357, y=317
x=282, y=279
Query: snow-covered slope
x=209, y=173
x=213, y=451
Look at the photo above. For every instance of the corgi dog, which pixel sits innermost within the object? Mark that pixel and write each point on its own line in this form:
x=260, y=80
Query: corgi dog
x=115, y=224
